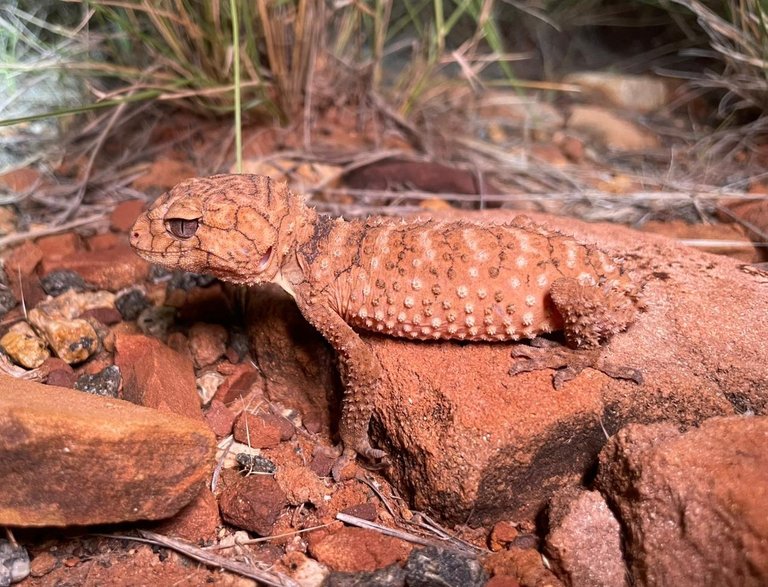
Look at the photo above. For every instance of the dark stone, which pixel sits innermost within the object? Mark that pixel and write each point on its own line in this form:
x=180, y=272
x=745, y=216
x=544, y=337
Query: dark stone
x=105, y=383
x=158, y=274
x=7, y=301
x=132, y=303
x=238, y=344
x=187, y=281
x=440, y=566
x=61, y=280
x=391, y=576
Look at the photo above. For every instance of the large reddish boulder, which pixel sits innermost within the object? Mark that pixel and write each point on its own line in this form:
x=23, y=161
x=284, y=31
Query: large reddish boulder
x=692, y=506
x=72, y=458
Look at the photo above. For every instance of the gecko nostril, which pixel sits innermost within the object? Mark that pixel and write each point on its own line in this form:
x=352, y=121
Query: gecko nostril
x=182, y=227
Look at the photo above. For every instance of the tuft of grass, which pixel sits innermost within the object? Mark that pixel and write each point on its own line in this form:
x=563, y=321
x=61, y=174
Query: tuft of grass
x=409, y=48
x=738, y=38
x=184, y=50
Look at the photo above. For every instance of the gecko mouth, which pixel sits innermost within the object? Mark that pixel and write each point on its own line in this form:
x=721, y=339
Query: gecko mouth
x=264, y=261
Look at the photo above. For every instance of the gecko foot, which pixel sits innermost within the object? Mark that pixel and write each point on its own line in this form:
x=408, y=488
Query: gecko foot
x=568, y=363
x=377, y=457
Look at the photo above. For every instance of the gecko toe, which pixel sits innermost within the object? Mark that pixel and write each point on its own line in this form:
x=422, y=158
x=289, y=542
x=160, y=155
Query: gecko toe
x=568, y=363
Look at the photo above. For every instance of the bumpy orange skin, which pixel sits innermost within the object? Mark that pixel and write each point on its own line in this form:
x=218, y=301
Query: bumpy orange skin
x=420, y=279
x=431, y=280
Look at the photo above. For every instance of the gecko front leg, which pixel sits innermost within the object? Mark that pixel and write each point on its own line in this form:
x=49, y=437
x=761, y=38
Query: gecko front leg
x=360, y=372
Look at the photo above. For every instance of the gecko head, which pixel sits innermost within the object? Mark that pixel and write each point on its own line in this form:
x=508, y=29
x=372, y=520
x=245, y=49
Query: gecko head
x=236, y=227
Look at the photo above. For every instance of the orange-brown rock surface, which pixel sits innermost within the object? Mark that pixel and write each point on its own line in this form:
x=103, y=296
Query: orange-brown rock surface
x=71, y=458
x=692, y=506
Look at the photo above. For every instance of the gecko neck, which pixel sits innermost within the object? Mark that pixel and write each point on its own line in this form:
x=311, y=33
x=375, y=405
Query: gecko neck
x=309, y=230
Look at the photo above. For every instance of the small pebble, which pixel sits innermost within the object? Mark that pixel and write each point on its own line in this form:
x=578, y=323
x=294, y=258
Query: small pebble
x=61, y=280
x=255, y=464
x=105, y=383
x=24, y=346
x=72, y=340
x=14, y=563
x=207, y=384
x=43, y=564
x=132, y=303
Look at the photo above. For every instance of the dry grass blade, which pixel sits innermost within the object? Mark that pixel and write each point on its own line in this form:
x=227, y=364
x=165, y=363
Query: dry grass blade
x=443, y=540
x=213, y=560
x=742, y=46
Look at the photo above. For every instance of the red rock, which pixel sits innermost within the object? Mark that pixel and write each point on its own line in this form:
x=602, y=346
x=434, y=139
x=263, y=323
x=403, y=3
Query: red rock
x=503, y=534
x=502, y=581
x=300, y=366
x=207, y=342
x=364, y=511
x=738, y=245
x=107, y=316
x=239, y=384
x=220, y=418
x=196, y=522
x=125, y=214
x=522, y=564
x=253, y=503
x=573, y=149
x=258, y=430
x=422, y=175
x=20, y=180
x=58, y=245
x=22, y=260
x=111, y=270
x=42, y=564
x=693, y=506
x=57, y=372
x=28, y=289
x=584, y=541
x=92, y=460
x=156, y=376
x=105, y=241
x=137, y=564
x=356, y=550
x=322, y=464
x=163, y=174
x=179, y=343
x=752, y=214
x=301, y=485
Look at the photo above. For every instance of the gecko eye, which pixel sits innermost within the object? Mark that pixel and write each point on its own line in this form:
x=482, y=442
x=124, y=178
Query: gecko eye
x=181, y=227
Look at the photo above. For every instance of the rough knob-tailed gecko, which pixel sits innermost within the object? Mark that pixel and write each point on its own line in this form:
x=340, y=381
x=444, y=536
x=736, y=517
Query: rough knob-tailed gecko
x=413, y=279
